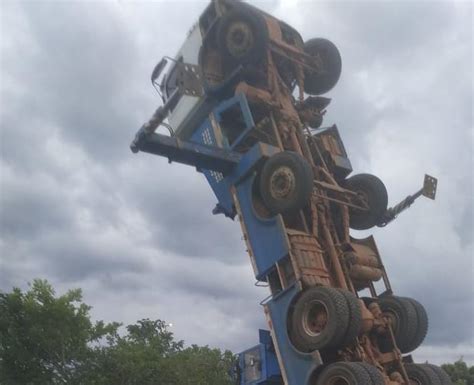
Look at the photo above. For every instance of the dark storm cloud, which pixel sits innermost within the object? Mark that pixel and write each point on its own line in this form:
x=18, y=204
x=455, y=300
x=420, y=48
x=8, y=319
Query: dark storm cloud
x=390, y=29
x=466, y=221
x=24, y=214
x=86, y=97
x=387, y=48
x=137, y=234
x=440, y=279
x=181, y=227
x=78, y=67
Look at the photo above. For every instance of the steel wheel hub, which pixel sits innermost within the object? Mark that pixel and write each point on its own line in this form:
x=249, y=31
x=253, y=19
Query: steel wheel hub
x=315, y=318
x=282, y=183
x=239, y=39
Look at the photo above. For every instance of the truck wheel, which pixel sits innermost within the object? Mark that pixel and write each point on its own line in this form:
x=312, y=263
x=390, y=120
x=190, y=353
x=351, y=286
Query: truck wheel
x=403, y=318
x=421, y=375
x=374, y=192
x=318, y=320
x=422, y=324
x=441, y=374
x=286, y=182
x=355, y=317
x=374, y=373
x=242, y=36
x=342, y=373
x=327, y=54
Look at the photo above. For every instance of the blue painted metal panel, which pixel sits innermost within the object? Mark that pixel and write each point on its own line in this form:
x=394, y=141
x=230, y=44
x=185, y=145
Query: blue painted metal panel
x=244, y=108
x=220, y=185
x=266, y=366
x=267, y=236
x=272, y=369
x=205, y=134
x=296, y=366
x=272, y=230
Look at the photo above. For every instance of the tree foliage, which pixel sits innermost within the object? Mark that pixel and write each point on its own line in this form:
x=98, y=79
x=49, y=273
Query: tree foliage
x=460, y=373
x=51, y=340
x=44, y=339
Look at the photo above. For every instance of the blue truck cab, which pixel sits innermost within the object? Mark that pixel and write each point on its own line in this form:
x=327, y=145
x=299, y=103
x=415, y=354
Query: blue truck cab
x=259, y=364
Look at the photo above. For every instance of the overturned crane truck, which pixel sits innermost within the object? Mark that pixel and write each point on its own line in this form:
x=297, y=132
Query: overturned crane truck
x=241, y=101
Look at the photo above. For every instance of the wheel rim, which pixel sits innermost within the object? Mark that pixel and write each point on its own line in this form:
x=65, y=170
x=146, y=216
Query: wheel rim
x=282, y=183
x=239, y=39
x=315, y=319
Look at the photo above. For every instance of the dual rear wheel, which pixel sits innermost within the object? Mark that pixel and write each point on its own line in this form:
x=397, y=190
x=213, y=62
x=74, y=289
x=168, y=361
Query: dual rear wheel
x=427, y=374
x=324, y=318
x=347, y=373
x=361, y=373
x=408, y=319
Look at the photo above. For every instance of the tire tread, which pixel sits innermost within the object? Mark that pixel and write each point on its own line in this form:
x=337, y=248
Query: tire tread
x=355, y=317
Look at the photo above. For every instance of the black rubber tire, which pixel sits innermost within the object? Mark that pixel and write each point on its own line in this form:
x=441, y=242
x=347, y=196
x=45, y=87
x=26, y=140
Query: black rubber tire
x=351, y=372
x=355, y=317
x=405, y=323
x=258, y=32
x=376, y=193
x=441, y=374
x=337, y=320
x=301, y=186
x=422, y=328
x=319, y=83
x=422, y=374
x=374, y=373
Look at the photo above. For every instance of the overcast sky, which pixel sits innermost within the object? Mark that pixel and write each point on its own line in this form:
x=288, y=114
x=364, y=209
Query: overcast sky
x=137, y=235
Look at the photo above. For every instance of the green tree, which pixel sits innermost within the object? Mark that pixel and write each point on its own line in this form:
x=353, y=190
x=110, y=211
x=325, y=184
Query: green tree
x=460, y=373
x=148, y=354
x=204, y=366
x=48, y=340
x=142, y=356
x=44, y=339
